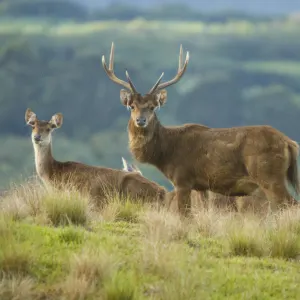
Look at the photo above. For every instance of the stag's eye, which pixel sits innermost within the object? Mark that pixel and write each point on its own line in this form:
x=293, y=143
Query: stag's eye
x=152, y=108
x=132, y=107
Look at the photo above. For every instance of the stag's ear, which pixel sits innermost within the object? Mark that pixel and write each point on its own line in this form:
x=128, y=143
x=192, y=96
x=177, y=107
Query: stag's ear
x=161, y=97
x=125, y=97
x=56, y=120
x=30, y=117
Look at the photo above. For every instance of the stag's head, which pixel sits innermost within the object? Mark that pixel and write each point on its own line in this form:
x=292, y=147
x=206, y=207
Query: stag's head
x=42, y=130
x=143, y=107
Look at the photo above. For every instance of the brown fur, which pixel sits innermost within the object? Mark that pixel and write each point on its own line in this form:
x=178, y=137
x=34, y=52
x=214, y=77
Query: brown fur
x=229, y=161
x=97, y=181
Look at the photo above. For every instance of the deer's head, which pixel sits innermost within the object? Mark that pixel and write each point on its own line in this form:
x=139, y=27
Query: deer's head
x=143, y=107
x=42, y=130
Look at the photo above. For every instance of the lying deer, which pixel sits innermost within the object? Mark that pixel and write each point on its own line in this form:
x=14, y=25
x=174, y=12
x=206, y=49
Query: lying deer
x=229, y=161
x=97, y=181
x=199, y=201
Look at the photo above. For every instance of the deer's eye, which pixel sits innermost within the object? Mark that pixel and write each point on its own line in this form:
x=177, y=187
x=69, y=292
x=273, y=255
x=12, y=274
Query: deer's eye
x=152, y=108
x=132, y=107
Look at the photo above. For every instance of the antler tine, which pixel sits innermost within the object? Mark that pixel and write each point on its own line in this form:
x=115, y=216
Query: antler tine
x=156, y=84
x=180, y=58
x=180, y=72
x=130, y=82
x=110, y=71
x=111, y=57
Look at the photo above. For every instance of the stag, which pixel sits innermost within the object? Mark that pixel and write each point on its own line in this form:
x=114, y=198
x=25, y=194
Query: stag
x=99, y=182
x=230, y=161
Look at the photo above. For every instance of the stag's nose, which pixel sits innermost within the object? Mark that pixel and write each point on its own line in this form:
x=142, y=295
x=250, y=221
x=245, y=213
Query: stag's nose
x=141, y=121
x=37, y=137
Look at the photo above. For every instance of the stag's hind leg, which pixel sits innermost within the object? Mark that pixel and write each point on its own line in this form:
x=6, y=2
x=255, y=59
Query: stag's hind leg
x=183, y=198
x=279, y=197
x=271, y=176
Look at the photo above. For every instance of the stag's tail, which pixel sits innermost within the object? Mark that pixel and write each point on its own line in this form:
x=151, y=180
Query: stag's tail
x=292, y=172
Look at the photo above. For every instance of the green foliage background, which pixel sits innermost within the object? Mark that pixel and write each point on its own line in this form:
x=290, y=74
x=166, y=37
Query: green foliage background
x=242, y=71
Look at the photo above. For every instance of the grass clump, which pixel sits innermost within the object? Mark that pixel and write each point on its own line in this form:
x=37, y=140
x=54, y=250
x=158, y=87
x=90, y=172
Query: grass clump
x=246, y=238
x=284, y=244
x=122, y=209
x=13, y=259
x=71, y=235
x=66, y=207
x=245, y=244
x=122, y=287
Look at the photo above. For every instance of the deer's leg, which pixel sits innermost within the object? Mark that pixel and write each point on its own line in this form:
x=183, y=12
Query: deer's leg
x=183, y=198
x=278, y=195
x=170, y=201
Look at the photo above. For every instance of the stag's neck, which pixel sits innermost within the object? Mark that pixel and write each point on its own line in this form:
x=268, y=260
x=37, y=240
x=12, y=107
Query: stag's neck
x=44, y=161
x=147, y=144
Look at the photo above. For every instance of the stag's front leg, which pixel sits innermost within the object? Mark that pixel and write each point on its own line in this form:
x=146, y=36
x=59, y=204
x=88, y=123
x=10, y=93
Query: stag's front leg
x=183, y=198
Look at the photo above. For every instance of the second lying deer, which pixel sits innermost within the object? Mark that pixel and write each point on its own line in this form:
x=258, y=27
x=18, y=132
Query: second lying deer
x=97, y=181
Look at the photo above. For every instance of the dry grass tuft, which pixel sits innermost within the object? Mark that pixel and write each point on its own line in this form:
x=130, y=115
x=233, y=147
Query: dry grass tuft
x=284, y=233
x=92, y=264
x=163, y=226
x=212, y=222
x=24, y=200
x=16, y=288
x=77, y=288
x=47, y=205
x=89, y=270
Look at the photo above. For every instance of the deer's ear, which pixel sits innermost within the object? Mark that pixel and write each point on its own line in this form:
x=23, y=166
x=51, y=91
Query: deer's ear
x=125, y=97
x=161, y=97
x=30, y=117
x=56, y=120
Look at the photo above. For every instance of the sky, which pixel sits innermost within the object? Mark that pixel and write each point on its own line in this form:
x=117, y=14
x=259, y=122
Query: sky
x=267, y=7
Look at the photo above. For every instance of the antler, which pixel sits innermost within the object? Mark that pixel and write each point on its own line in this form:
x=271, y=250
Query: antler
x=111, y=74
x=181, y=70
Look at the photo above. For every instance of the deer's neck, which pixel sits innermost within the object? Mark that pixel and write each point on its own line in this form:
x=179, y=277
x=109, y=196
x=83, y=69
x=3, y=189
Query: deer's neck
x=43, y=161
x=147, y=144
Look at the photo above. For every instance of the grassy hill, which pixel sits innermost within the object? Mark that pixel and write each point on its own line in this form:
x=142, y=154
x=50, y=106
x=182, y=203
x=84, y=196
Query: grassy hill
x=60, y=246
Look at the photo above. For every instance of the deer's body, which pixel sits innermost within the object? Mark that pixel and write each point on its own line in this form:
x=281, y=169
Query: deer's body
x=97, y=181
x=229, y=161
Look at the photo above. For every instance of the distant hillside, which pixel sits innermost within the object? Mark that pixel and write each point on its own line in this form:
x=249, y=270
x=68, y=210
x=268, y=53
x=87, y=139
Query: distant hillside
x=269, y=7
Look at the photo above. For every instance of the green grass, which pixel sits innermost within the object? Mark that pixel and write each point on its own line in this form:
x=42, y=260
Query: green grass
x=155, y=255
